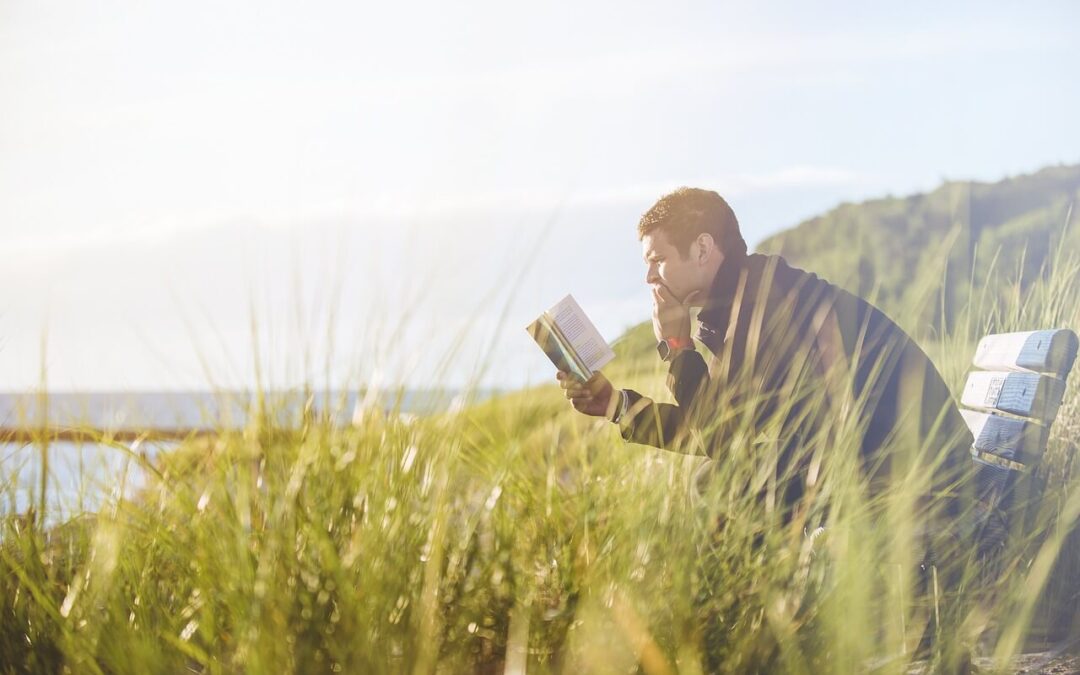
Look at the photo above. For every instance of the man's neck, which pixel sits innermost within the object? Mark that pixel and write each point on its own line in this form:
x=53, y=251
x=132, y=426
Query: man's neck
x=710, y=277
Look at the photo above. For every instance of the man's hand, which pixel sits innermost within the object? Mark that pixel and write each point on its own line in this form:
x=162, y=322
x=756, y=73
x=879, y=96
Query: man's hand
x=671, y=318
x=595, y=397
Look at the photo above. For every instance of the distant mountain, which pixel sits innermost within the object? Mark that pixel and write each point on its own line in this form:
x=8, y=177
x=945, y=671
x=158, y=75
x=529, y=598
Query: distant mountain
x=897, y=250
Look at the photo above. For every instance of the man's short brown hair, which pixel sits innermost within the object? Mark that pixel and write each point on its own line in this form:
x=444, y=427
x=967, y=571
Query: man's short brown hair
x=687, y=212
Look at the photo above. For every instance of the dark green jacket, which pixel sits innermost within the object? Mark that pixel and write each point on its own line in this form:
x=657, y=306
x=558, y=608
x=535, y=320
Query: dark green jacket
x=790, y=354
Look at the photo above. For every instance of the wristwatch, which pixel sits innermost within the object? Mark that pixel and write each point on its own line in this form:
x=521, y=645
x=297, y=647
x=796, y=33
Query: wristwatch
x=669, y=347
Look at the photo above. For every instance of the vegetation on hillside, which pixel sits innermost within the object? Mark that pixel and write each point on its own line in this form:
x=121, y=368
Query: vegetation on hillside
x=957, y=237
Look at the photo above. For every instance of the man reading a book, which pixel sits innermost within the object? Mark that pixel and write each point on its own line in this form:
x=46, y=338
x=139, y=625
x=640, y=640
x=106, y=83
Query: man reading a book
x=792, y=369
x=783, y=347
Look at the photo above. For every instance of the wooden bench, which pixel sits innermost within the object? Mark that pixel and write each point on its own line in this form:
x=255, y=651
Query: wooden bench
x=1013, y=399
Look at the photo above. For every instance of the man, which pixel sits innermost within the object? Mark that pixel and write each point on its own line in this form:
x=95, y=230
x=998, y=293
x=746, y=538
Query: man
x=773, y=332
x=793, y=360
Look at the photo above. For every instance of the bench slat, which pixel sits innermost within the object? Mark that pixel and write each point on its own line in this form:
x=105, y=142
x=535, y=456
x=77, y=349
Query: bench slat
x=1026, y=394
x=1013, y=439
x=1039, y=351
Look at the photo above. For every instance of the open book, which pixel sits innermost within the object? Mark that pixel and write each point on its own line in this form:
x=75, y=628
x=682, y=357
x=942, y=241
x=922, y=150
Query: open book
x=570, y=340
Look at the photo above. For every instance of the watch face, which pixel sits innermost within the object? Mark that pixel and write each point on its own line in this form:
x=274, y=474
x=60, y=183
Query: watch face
x=664, y=349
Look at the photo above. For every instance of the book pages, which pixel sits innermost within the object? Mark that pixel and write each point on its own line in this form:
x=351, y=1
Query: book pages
x=580, y=332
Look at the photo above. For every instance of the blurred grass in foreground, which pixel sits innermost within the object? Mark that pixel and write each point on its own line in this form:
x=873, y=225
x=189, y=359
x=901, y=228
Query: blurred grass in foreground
x=513, y=535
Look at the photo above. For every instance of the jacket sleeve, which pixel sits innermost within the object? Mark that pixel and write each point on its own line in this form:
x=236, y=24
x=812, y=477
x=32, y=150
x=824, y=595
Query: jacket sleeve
x=664, y=425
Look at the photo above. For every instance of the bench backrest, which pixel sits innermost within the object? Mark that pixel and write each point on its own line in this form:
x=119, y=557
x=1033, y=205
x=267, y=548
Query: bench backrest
x=1012, y=400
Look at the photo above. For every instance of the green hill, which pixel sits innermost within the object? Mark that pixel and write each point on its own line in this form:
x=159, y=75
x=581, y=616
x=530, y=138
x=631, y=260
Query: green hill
x=898, y=250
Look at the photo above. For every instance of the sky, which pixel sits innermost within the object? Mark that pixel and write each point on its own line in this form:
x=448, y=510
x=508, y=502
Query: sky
x=205, y=194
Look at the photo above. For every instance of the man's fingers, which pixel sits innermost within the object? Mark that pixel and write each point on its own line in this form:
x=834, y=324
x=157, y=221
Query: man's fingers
x=569, y=382
x=576, y=391
x=583, y=396
x=664, y=295
x=580, y=395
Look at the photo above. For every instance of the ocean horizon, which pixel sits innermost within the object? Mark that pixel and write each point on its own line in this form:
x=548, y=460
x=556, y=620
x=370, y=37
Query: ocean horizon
x=215, y=409
x=81, y=475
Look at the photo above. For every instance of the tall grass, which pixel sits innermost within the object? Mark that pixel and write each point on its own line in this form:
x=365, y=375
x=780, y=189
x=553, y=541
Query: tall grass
x=515, y=535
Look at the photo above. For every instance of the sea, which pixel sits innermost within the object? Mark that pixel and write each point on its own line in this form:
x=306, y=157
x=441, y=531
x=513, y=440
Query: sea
x=82, y=476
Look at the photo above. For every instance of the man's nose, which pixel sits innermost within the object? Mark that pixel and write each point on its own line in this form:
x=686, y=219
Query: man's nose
x=651, y=275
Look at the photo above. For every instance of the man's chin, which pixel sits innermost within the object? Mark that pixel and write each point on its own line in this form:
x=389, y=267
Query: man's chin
x=691, y=298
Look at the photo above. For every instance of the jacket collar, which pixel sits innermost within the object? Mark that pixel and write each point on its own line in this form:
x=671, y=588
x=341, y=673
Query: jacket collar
x=717, y=308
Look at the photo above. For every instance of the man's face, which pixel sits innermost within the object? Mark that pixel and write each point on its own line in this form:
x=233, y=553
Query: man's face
x=667, y=267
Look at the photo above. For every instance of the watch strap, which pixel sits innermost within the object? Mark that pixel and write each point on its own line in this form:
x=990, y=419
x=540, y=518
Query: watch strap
x=679, y=343
x=669, y=348
x=620, y=409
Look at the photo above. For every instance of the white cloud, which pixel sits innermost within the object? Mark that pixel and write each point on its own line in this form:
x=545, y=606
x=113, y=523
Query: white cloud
x=406, y=208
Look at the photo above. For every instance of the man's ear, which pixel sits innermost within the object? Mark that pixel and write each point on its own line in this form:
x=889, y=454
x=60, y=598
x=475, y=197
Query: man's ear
x=706, y=246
